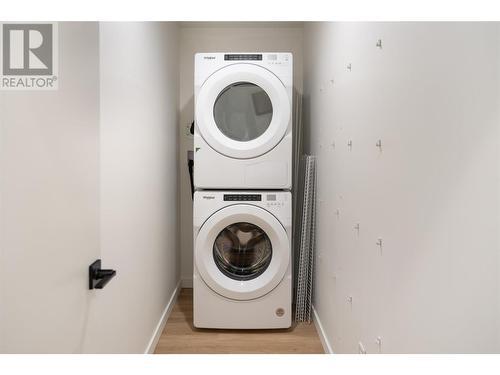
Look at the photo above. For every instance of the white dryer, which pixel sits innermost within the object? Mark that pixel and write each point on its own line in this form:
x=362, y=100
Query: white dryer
x=243, y=121
x=242, y=259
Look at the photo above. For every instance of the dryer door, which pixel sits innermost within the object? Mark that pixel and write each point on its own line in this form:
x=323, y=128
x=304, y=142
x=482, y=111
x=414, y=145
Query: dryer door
x=242, y=252
x=243, y=111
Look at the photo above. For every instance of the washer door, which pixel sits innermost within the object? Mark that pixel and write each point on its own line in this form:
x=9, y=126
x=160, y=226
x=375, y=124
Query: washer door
x=243, y=111
x=242, y=252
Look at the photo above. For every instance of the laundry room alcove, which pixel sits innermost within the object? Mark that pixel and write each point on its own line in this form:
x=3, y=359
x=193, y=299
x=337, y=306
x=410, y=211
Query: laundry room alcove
x=400, y=121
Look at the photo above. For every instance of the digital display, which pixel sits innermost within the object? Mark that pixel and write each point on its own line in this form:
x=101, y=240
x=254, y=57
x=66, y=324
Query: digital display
x=271, y=197
x=242, y=197
x=242, y=57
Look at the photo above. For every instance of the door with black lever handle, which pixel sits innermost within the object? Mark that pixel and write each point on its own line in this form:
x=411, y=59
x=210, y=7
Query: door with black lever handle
x=98, y=278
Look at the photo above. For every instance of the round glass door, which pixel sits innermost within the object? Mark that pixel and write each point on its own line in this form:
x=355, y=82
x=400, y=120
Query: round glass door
x=243, y=111
x=242, y=251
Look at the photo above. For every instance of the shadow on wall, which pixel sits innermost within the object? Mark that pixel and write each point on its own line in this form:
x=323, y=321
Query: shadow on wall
x=185, y=198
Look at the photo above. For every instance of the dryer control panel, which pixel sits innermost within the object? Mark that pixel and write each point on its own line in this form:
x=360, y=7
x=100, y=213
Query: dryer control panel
x=279, y=63
x=243, y=56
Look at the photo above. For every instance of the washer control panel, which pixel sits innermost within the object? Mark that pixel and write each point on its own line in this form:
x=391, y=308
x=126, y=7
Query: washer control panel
x=277, y=202
x=242, y=197
x=273, y=201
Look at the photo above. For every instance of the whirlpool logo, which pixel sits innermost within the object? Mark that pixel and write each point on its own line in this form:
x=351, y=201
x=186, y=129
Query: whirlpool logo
x=29, y=58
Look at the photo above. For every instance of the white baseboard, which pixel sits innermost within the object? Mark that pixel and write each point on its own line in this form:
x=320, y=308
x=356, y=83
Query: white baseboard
x=187, y=283
x=321, y=333
x=163, y=320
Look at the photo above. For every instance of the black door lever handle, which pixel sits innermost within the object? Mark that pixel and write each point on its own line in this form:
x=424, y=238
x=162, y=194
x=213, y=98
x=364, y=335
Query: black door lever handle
x=98, y=278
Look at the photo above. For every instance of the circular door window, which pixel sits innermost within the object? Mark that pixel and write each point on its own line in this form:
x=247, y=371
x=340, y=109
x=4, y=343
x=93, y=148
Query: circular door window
x=243, y=111
x=242, y=251
x=239, y=260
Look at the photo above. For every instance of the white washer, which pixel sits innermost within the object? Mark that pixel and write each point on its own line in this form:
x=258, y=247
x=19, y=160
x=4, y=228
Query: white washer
x=242, y=259
x=243, y=117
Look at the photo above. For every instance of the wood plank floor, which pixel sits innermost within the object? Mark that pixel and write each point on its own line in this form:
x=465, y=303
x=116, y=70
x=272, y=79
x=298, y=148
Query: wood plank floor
x=179, y=336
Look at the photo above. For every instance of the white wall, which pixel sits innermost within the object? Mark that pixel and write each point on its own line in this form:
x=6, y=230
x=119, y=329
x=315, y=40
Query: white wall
x=139, y=96
x=90, y=171
x=49, y=202
x=221, y=37
x=431, y=95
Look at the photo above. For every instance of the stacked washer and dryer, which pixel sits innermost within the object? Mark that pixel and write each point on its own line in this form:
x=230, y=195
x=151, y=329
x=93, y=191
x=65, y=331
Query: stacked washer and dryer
x=242, y=202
